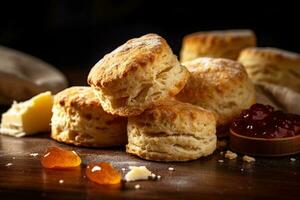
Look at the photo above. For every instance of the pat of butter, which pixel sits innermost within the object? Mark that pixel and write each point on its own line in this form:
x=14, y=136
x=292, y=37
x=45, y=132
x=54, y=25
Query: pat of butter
x=137, y=173
x=29, y=117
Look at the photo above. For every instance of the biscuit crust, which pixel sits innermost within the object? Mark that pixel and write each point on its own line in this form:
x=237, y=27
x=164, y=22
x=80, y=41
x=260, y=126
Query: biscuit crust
x=172, y=131
x=79, y=119
x=217, y=44
x=137, y=74
x=272, y=65
x=220, y=85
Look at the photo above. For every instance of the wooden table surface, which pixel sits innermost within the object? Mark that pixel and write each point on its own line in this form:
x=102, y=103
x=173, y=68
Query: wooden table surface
x=206, y=178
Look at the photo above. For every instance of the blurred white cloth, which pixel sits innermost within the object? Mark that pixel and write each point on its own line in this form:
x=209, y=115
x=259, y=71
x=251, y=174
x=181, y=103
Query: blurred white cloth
x=23, y=76
x=280, y=97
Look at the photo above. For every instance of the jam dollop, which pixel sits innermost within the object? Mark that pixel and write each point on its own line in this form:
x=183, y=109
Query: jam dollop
x=57, y=158
x=262, y=121
x=103, y=173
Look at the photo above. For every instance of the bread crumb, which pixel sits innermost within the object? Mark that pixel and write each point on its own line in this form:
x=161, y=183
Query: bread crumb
x=8, y=164
x=153, y=176
x=34, y=154
x=248, y=159
x=293, y=159
x=230, y=155
x=137, y=186
x=61, y=181
x=220, y=161
x=13, y=158
x=137, y=173
x=171, y=169
x=158, y=177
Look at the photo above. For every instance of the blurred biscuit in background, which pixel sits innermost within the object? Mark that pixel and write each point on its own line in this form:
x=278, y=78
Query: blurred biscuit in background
x=272, y=65
x=216, y=44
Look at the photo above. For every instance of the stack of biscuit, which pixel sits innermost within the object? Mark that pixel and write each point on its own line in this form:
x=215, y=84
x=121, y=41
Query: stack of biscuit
x=139, y=80
x=142, y=96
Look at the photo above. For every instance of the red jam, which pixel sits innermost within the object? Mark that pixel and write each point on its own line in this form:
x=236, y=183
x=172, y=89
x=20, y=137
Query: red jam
x=261, y=121
x=103, y=173
x=57, y=158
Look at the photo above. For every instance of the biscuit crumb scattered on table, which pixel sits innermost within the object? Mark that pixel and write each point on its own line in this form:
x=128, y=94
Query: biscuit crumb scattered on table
x=248, y=159
x=230, y=155
x=171, y=169
x=137, y=186
x=34, y=154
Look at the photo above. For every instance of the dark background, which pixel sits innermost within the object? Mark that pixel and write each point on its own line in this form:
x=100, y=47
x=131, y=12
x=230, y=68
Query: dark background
x=71, y=34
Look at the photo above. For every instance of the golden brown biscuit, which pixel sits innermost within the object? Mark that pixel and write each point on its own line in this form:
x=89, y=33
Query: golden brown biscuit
x=217, y=44
x=272, y=65
x=172, y=131
x=137, y=74
x=79, y=119
x=220, y=85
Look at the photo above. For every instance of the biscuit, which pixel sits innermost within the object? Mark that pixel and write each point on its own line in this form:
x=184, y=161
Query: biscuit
x=79, y=119
x=137, y=74
x=220, y=85
x=271, y=65
x=172, y=131
x=216, y=44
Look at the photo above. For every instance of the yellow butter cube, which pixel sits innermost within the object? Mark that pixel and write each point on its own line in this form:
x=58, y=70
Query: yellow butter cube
x=29, y=117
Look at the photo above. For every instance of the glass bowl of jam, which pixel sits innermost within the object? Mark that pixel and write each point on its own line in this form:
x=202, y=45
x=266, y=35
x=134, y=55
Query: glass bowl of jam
x=260, y=130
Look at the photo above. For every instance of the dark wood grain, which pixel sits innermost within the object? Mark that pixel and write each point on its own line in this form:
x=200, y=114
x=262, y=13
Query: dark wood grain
x=267, y=178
